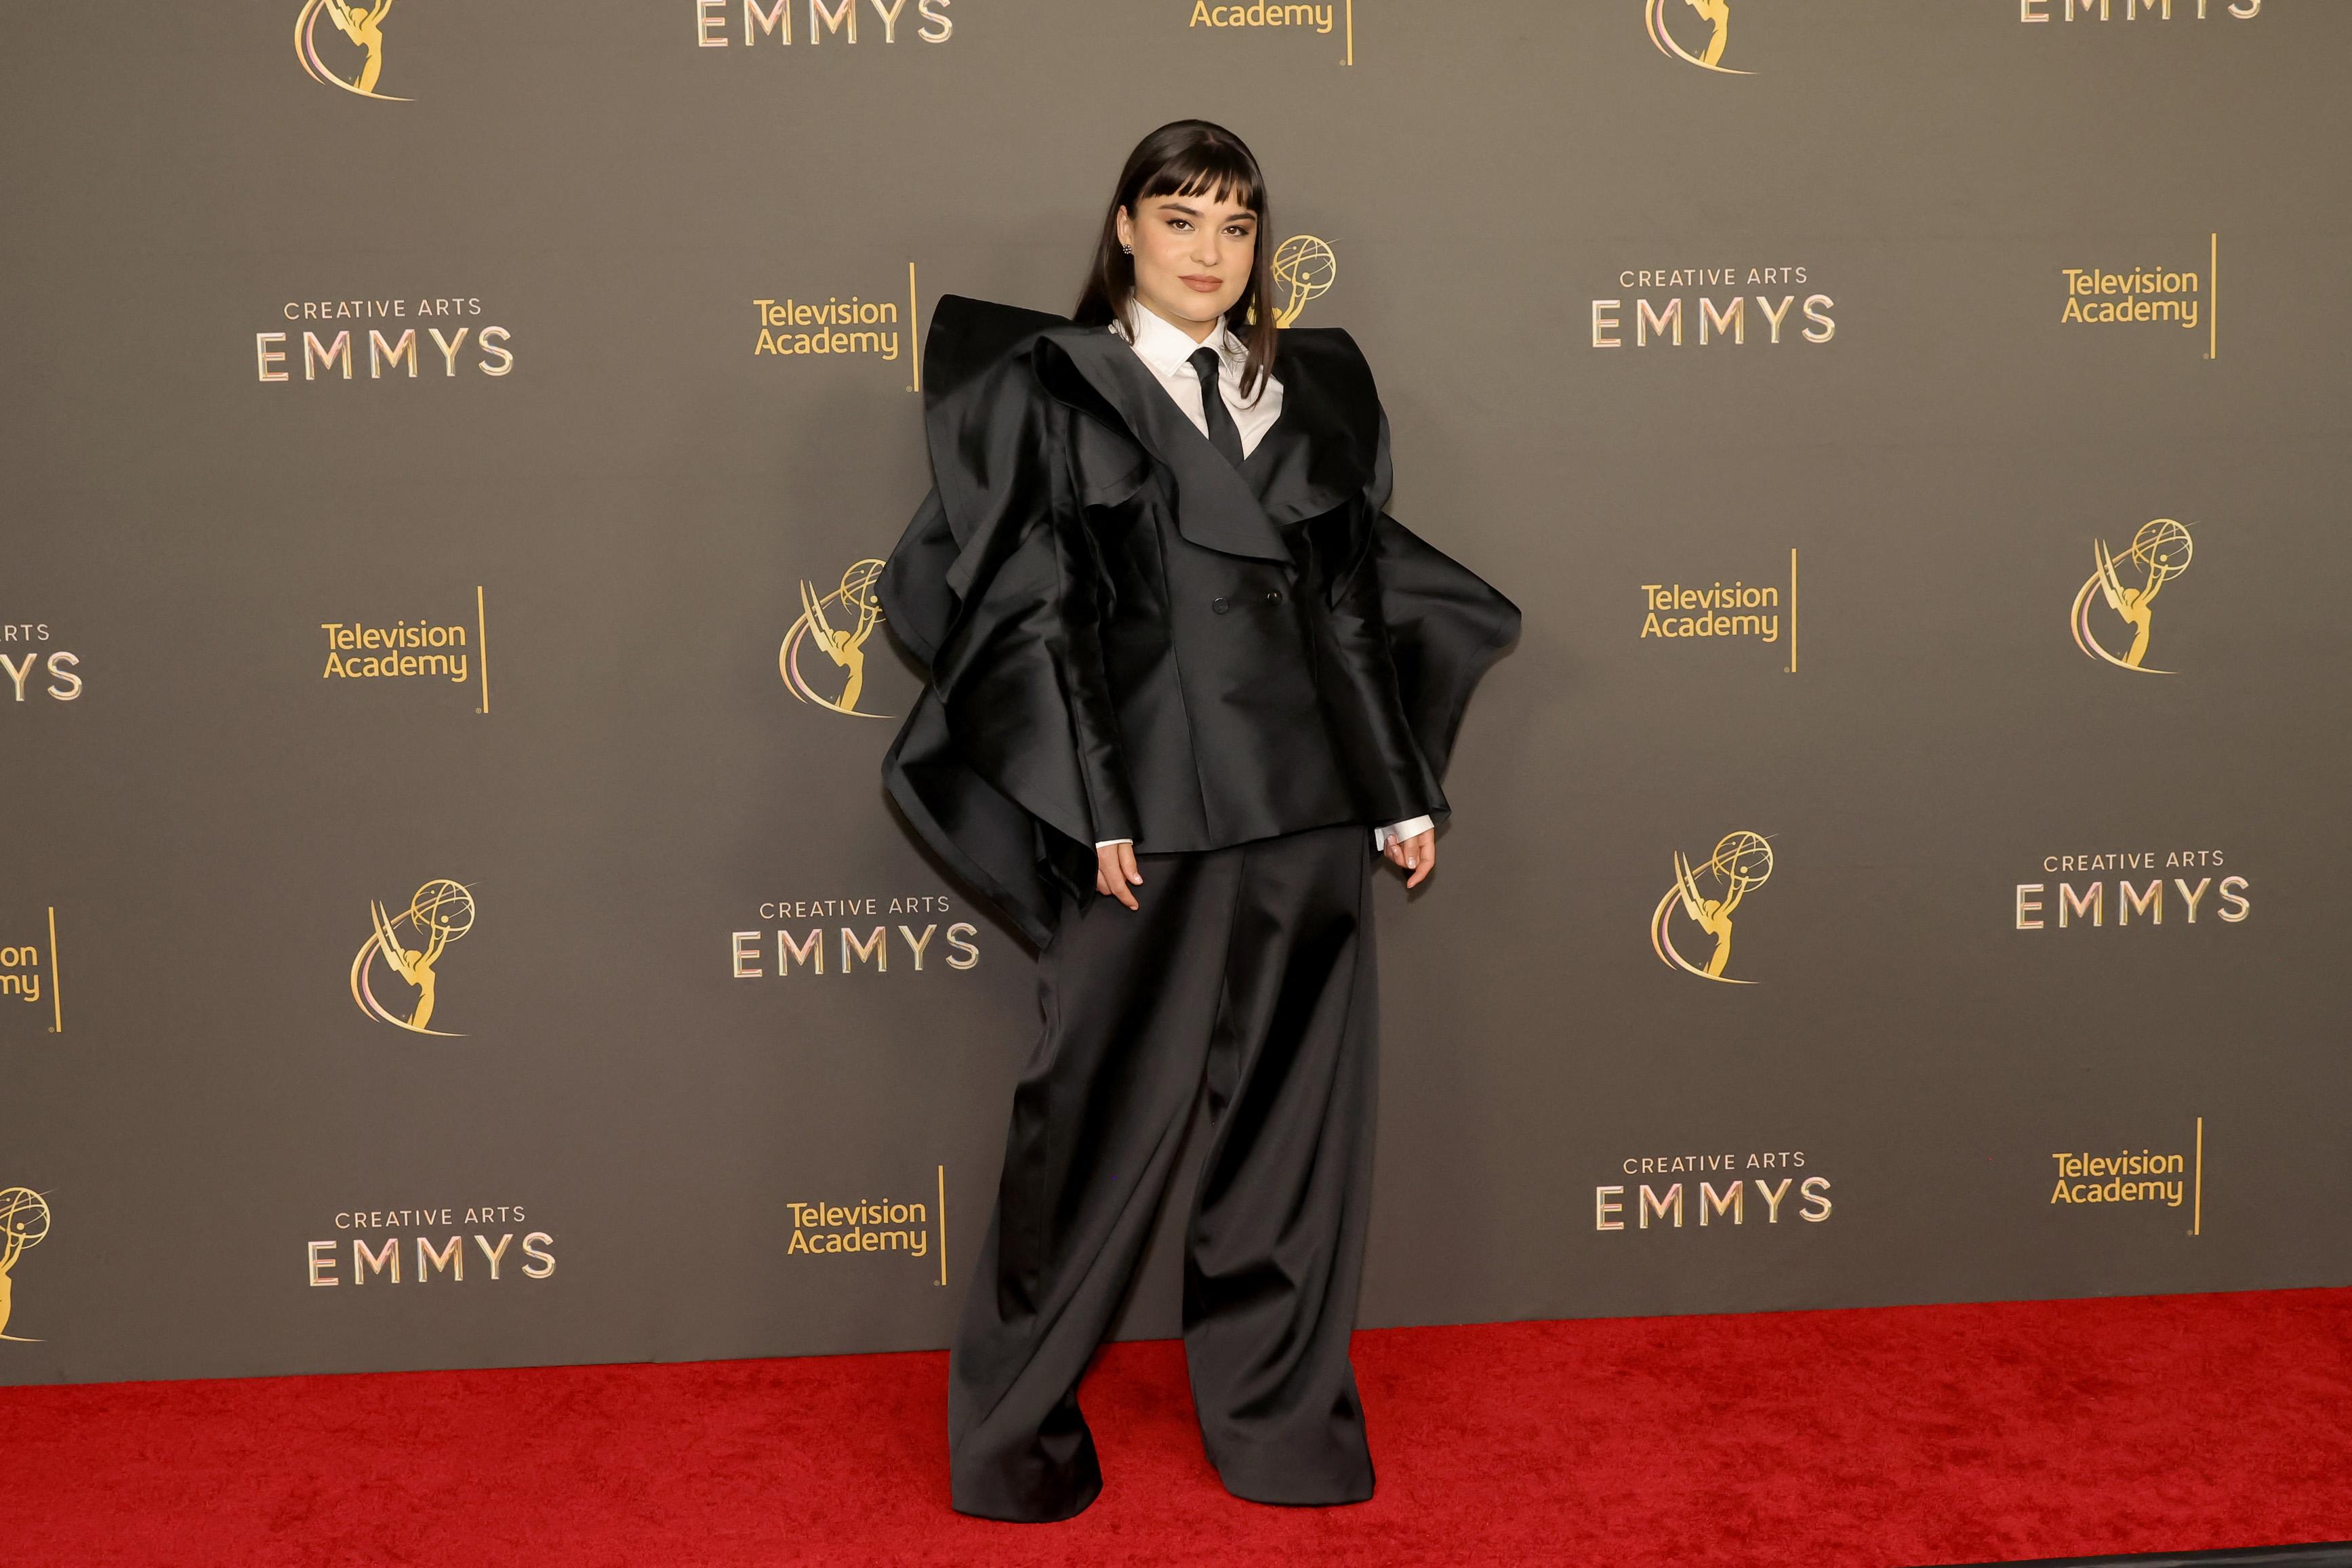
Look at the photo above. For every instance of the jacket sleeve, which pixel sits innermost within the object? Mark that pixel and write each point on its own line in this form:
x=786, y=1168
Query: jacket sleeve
x=1009, y=768
x=1444, y=623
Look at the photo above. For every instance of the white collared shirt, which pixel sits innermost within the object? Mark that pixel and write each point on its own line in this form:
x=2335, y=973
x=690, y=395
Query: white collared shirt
x=1167, y=350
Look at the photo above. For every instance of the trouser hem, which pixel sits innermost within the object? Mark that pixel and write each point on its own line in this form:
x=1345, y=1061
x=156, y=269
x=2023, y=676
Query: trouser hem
x=989, y=1493
x=1291, y=1494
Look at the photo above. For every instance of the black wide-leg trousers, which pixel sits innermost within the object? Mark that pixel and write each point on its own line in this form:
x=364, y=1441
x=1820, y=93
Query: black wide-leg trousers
x=1247, y=977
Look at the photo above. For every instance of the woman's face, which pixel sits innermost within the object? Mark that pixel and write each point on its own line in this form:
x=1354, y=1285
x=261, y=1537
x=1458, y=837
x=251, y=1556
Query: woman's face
x=1192, y=256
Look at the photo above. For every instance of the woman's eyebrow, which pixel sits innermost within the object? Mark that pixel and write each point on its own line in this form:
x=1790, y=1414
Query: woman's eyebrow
x=1240, y=216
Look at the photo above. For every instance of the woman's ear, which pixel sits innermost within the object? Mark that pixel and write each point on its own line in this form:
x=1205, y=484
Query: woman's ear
x=1126, y=229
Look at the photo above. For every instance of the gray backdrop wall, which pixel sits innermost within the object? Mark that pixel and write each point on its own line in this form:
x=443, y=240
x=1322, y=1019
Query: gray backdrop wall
x=1823, y=402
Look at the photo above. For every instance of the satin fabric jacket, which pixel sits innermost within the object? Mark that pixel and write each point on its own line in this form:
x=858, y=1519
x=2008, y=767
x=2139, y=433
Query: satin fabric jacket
x=1129, y=637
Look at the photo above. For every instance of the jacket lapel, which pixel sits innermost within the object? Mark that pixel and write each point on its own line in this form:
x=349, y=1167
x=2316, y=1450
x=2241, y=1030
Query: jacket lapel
x=1214, y=506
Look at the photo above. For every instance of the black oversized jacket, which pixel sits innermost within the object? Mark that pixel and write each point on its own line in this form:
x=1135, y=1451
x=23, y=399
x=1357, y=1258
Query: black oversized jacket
x=1130, y=638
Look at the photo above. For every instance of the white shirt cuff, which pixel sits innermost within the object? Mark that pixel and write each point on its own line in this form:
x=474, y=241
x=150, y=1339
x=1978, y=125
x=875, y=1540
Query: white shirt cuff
x=1405, y=830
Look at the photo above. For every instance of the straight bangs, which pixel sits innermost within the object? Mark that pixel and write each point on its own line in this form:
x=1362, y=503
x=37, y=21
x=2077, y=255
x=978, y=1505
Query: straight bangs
x=1217, y=171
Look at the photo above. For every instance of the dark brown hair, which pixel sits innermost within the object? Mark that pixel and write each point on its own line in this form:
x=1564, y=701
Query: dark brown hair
x=1188, y=158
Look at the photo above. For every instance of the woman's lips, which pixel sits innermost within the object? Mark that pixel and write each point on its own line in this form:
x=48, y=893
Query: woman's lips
x=1199, y=285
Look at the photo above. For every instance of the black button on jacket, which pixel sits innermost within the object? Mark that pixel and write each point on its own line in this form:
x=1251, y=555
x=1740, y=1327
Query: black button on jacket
x=1127, y=637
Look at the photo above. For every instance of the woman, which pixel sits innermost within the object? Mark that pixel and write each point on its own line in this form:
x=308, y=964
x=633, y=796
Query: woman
x=1180, y=662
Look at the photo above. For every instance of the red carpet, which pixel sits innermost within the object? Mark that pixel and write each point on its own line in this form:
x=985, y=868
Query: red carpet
x=1905, y=1435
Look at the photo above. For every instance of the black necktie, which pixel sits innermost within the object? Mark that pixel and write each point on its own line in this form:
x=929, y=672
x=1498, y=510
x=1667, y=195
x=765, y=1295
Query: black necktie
x=1223, y=434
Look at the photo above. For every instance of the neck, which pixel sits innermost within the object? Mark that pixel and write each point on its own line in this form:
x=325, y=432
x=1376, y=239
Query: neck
x=1197, y=331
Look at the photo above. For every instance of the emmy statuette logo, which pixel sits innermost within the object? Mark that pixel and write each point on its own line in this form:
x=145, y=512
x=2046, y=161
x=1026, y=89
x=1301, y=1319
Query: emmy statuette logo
x=1706, y=895
x=362, y=26
x=836, y=625
x=441, y=912
x=1716, y=13
x=1303, y=268
x=24, y=1223
x=2128, y=584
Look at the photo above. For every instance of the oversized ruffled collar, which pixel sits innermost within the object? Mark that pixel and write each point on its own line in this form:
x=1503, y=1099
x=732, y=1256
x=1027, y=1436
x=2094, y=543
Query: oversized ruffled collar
x=1324, y=449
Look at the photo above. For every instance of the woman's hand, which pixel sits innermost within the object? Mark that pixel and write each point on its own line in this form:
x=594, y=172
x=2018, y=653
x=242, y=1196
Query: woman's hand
x=1417, y=854
x=1115, y=870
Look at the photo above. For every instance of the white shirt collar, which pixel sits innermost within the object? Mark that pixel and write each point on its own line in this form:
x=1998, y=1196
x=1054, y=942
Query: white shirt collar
x=1167, y=348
